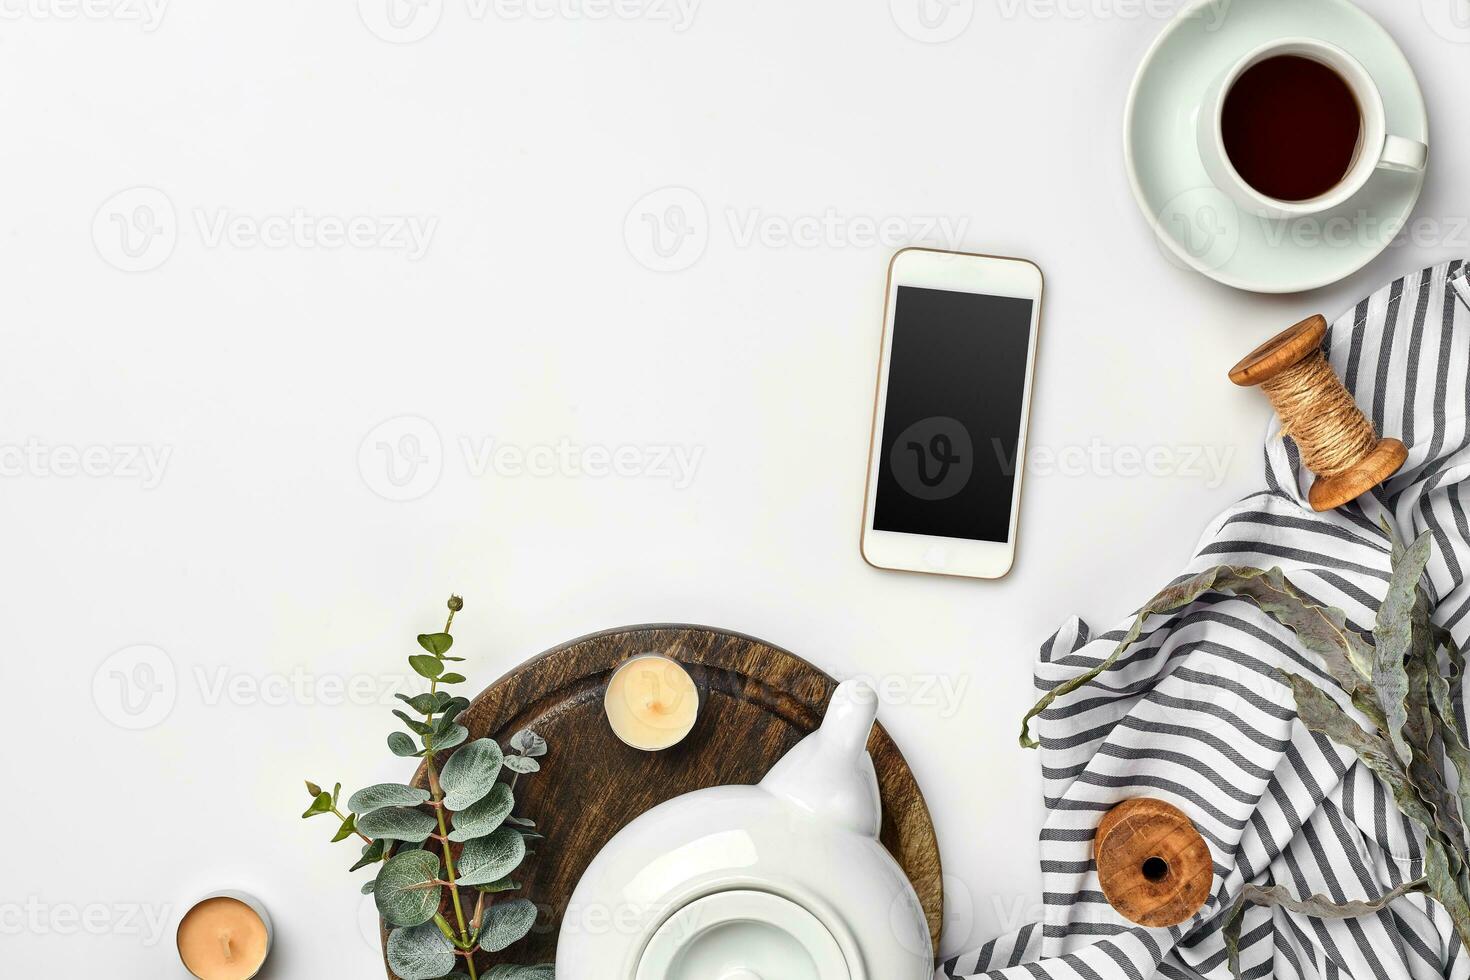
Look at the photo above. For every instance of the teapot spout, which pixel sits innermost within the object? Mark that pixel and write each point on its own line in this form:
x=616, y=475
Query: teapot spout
x=829, y=773
x=850, y=717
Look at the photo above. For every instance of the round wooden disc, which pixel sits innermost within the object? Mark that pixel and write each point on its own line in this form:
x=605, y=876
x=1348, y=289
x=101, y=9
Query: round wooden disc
x=1280, y=352
x=1380, y=464
x=1154, y=867
x=756, y=702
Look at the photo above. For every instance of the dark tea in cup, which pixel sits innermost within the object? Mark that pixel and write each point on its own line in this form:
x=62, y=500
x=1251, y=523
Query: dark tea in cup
x=1292, y=127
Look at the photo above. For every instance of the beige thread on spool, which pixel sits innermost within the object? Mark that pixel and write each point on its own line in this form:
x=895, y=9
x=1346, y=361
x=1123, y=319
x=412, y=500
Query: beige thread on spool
x=1337, y=441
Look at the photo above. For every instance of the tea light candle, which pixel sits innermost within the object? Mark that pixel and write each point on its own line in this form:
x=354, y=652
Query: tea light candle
x=651, y=702
x=226, y=936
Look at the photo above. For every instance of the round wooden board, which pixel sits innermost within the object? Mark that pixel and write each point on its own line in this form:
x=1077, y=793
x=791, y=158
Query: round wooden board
x=756, y=702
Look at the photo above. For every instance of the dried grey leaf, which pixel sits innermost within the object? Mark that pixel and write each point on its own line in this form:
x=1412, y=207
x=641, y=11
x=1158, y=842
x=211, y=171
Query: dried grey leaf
x=1317, y=906
x=1393, y=636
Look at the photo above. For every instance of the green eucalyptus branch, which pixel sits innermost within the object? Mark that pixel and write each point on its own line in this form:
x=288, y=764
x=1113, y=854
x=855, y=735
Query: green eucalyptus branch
x=437, y=792
x=467, y=811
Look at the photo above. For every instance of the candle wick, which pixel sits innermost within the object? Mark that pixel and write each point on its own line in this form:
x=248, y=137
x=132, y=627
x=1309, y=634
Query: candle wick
x=224, y=941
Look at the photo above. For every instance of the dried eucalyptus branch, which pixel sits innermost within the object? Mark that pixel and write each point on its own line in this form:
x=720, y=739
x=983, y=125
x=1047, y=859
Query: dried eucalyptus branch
x=1396, y=681
x=419, y=888
x=1347, y=656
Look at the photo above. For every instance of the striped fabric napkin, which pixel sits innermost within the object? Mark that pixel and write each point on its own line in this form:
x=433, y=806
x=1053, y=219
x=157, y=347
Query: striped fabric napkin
x=1193, y=715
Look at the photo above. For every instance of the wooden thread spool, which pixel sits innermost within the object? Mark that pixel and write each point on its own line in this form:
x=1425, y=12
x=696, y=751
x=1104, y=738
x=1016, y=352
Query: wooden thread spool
x=1154, y=867
x=1337, y=441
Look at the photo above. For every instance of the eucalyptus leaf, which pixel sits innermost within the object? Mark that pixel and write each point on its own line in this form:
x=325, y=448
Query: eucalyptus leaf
x=424, y=704
x=426, y=666
x=1393, y=640
x=1346, y=654
x=485, y=816
x=322, y=804
x=1426, y=744
x=490, y=858
x=1317, y=906
x=372, y=853
x=420, y=953
x=414, y=725
x=336, y=794
x=496, y=887
x=1322, y=715
x=506, y=923
x=436, y=643
x=452, y=736
x=397, y=823
x=365, y=801
x=405, y=895
x=520, y=822
x=401, y=745
x=506, y=971
x=527, y=742
x=451, y=678
x=348, y=828
x=470, y=773
x=453, y=707
x=369, y=885
x=1446, y=888
x=1432, y=738
x=522, y=764
x=1442, y=704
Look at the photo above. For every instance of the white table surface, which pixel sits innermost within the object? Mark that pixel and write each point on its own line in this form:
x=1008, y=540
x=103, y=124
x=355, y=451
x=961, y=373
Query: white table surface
x=262, y=568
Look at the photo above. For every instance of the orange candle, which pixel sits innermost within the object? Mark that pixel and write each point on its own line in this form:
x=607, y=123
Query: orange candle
x=225, y=937
x=651, y=702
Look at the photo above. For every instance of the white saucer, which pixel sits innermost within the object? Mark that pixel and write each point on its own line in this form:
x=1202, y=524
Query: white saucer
x=1197, y=222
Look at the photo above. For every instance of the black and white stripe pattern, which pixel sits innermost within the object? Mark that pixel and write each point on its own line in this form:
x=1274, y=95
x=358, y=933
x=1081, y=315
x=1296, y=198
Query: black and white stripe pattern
x=1193, y=714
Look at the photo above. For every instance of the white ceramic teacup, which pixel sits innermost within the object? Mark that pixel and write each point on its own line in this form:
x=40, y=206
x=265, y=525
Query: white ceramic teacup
x=1377, y=148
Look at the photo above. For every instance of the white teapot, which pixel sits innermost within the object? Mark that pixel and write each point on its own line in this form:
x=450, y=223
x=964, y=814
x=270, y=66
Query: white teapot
x=784, y=880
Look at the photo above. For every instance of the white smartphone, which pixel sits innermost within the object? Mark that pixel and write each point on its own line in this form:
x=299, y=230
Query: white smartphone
x=949, y=425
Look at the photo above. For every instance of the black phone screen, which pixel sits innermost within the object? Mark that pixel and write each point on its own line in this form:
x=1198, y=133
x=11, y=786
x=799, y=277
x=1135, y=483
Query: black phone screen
x=956, y=390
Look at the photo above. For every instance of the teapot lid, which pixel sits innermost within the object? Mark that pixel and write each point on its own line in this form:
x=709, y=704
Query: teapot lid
x=743, y=935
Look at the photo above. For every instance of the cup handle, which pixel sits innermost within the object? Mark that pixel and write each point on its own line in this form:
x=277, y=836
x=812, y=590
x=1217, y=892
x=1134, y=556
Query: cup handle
x=1404, y=155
